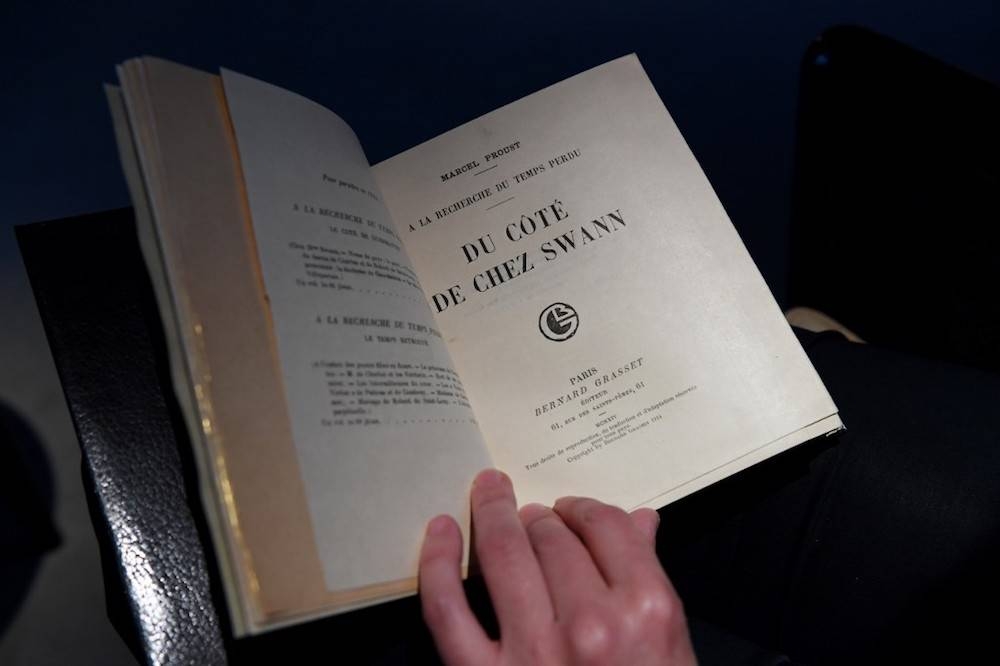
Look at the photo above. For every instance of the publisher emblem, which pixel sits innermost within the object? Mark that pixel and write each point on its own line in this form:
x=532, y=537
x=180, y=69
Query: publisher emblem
x=558, y=322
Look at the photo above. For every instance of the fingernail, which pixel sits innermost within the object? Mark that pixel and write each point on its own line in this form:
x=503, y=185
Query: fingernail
x=490, y=477
x=562, y=501
x=439, y=525
x=531, y=512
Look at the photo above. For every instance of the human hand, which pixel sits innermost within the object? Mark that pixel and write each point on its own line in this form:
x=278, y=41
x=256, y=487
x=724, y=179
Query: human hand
x=576, y=584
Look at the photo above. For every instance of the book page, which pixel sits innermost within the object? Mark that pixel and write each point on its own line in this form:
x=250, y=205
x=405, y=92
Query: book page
x=384, y=433
x=614, y=336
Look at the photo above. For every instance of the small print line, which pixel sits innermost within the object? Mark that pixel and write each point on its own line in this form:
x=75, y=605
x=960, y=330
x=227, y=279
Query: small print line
x=499, y=203
x=486, y=169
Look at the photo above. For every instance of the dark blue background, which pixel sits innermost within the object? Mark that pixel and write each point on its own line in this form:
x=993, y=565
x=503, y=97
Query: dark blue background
x=402, y=73
x=399, y=74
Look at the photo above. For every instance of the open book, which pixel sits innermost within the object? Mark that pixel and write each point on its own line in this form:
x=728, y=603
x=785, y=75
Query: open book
x=552, y=289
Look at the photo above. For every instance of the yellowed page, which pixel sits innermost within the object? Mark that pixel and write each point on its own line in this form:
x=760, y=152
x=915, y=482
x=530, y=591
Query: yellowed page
x=384, y=435
x=180, y=159
x=613, y=334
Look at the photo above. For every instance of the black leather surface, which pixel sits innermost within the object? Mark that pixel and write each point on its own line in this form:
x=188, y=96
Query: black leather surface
x=163, y=589
x=95, y=301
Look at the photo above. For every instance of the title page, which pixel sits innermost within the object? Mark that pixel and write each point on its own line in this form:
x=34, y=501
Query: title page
x=613, y=334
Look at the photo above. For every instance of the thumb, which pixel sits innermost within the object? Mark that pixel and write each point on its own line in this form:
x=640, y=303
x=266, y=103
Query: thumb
x=646, y=521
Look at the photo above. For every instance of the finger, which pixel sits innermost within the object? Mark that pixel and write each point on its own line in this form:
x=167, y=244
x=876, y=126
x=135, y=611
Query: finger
x=646, y=521
x=510, y=568
x=570, y=574
x=456, y=631
x=620, y=550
